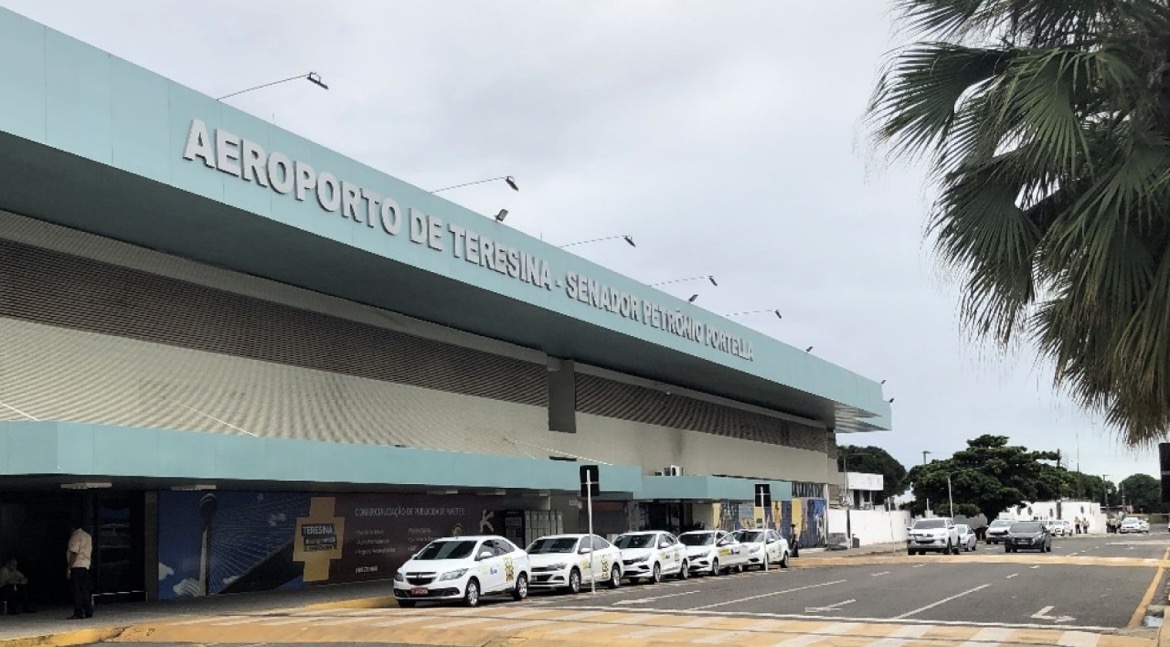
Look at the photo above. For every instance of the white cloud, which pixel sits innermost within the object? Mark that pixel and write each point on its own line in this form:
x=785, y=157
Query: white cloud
x=164, y=571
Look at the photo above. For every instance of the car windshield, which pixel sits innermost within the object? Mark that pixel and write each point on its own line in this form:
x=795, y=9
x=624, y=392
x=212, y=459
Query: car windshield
x=1130, y=522
x=750, y=536
x=1000, y=523
x=697, y=539
x=1027, y=527
x=634, y=541
x=963, y=528
x=548, y=545
x=447, y=550
x=929, y=524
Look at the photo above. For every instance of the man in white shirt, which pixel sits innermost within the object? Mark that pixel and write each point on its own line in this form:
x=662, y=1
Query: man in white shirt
x=14, y=587
x=79, y=556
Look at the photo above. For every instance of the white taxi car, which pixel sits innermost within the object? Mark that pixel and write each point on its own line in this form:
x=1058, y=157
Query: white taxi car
x=713, y=551
x=463, y=568
x=651, y=554
x=569, y=561
x=765, y=547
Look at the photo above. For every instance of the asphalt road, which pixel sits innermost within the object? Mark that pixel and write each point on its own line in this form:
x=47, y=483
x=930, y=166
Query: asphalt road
x=1092, y=585
x=1022, y=588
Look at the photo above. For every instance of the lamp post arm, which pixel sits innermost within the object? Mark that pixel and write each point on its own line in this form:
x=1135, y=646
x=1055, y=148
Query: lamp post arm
x=265, y=85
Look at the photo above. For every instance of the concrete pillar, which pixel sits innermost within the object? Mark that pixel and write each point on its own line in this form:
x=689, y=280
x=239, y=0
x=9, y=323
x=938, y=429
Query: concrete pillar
x=562, y=396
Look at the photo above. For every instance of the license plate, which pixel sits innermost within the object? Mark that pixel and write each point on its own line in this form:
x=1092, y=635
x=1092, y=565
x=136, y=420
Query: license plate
x=419, y=590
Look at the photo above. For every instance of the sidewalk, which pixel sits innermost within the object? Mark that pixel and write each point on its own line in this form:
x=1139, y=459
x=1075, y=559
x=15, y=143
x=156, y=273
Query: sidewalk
x=49, y=626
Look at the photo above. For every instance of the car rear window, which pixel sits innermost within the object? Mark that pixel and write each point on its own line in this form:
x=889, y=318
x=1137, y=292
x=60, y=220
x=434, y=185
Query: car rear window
x=1029, y=526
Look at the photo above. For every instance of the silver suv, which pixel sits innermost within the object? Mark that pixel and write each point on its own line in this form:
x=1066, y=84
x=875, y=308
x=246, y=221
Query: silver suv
x=938, y=535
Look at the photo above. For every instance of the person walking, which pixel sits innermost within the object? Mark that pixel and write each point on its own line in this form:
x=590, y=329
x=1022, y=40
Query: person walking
x=79, y=556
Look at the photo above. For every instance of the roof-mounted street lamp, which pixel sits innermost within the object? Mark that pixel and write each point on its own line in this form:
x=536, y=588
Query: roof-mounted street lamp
x=755, y=312
x=311, y=77
x=508, y=179
x=708, y=278
x=626, y=237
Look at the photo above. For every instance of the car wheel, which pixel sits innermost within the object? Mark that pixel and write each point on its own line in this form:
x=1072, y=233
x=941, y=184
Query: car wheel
x=406, y=604
x=784, y=560
x=715, y=567
x=974, y=547
x=471, y=595
x=1007, y=549
x=521, y=590
x=910, y=552
x=684, y=571
x=656, y=574
x=574, y=581
x=958, y=549
x=615, y=577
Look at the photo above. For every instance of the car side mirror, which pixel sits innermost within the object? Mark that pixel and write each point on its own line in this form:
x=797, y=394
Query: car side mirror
x=585, y=551
x=485, y=554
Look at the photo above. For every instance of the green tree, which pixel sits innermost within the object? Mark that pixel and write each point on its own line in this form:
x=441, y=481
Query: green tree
x=1046, y=127
x=1088, y=487
x=988, y=477
x=874, y=460
x=1143, y=492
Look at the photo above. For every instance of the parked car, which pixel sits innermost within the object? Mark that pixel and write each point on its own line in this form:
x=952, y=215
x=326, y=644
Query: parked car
x=761, y=544
x=935, y=535
x=1133, y=524
x=997, y=531
x=651, y=554
x=967, y=539
x=1028, y=535
x=463, y=568
x=570, y=561
x=713, y=551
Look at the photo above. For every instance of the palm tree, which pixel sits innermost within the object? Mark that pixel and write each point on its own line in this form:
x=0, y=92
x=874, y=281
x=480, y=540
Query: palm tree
x=1046, y=126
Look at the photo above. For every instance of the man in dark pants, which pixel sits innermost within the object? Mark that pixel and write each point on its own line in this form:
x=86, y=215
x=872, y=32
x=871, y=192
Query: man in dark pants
x=79, y=556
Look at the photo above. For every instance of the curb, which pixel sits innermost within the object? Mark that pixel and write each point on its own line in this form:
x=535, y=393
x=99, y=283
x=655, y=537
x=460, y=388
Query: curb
x=379, y=602
x=65, y=638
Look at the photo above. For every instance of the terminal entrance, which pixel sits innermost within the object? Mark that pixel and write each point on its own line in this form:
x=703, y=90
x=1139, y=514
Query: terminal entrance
x=35, y=528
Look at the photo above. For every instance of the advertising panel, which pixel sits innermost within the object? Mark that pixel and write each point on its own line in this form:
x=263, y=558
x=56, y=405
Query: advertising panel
x=212, y=543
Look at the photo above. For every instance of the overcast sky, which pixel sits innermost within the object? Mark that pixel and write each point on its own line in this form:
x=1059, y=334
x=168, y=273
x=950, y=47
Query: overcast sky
x=725, y=136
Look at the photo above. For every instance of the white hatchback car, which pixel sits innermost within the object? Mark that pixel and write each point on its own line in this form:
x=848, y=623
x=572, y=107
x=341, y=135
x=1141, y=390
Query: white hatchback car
x=570, y=561
x=763, y=544
x=713, y=551
x=651, y=554
x=463, y=568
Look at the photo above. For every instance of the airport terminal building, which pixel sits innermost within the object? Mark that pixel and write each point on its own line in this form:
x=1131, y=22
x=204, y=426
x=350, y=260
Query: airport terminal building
x=248, y=362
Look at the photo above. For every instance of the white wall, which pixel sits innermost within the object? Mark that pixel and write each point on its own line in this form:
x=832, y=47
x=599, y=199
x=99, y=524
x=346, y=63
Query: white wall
x=1070, y=510
x=871, y=526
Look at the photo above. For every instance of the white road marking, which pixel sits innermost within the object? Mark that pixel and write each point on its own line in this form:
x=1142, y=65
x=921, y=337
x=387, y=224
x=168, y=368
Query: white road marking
x=341, y=621
x=877, y=620
x=572, y=629
x=657, y=597
x=1011, y=576
x=828, y=631
x=522, y=625
x=902, y=636
x=940, y=602
x=986, y=635
x=830, y=608
x=519, y=614
x=581, y=616
x=879, y=574
x=1078, y=639
x=1035, y=567
x=459, y=623
x=234, y=620
x=693, y=623
x=401, y=621
x=918, y=566
x=766, y=595
x=1042, y=614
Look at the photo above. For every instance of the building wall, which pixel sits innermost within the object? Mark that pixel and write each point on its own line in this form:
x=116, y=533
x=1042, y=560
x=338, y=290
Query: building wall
x=94, y=330
x=871, y=526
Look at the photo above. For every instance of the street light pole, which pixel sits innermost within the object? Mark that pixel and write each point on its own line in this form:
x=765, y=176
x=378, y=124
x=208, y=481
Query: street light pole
x=925, y=453
x=950, y=499
x=312, y=77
